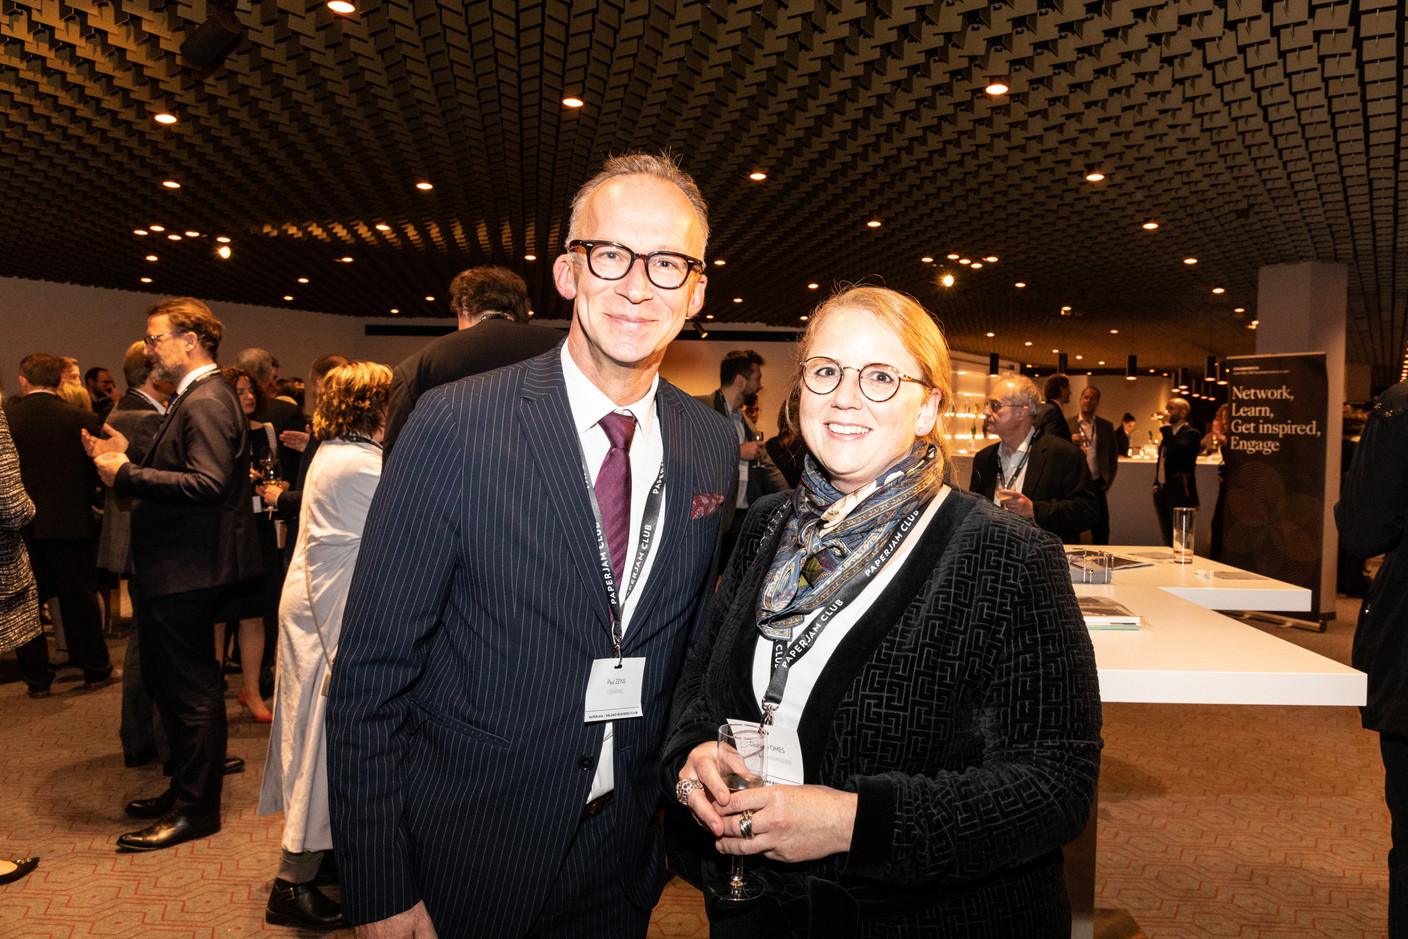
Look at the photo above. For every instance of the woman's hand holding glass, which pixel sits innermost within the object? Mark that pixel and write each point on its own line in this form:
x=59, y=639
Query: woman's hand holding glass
x=790, y=823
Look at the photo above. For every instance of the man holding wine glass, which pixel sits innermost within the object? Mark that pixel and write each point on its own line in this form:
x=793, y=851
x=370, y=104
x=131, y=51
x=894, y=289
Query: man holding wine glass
x=535, y=560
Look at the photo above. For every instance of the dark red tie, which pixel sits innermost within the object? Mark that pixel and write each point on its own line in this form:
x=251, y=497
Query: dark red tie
x=613, y=489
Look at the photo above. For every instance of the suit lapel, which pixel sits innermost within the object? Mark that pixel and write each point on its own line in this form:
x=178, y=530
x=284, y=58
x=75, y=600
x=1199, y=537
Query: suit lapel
x=1036, y=468
x=545, y=417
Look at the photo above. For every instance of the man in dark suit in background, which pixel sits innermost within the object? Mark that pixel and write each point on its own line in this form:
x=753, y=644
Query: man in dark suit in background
x=491, y=771
x=1041, y=478
x=1175, y=482
x=1050, y=418
x=137, y=416
x=192, y=540
x=491, y=306
x=1096, y=436
x=102, y=390
x=741, y=375
x=63, y=537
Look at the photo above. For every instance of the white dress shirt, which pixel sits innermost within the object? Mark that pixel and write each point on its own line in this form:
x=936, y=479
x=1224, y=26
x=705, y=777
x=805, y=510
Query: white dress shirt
x=589, y=405
x=1008, y=461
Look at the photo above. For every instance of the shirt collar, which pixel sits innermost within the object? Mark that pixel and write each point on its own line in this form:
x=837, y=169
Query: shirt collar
x=192, y=375
x=1021, y=447
x=161, y=408
x=589, y=405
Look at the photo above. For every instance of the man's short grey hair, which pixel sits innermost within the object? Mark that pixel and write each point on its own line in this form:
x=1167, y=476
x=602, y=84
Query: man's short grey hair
x=1023, y=392
x=258, y=363
x=661, y=166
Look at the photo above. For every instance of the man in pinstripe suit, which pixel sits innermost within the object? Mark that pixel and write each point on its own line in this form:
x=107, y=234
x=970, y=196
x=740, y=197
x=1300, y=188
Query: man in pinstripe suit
x=475, y=789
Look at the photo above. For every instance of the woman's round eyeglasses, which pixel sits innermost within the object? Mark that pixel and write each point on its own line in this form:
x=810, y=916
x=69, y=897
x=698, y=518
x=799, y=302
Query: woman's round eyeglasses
x=667, y=270
x=878, y=381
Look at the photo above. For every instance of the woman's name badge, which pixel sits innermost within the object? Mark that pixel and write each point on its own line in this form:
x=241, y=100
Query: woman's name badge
x=613, y=691
x=784, y=766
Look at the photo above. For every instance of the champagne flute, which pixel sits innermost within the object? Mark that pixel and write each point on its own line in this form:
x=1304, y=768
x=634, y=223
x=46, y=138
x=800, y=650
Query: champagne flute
x=742, y=761
x=269, y=470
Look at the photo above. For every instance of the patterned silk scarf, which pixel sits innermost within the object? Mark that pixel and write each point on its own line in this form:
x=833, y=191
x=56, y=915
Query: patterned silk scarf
x=831, y=535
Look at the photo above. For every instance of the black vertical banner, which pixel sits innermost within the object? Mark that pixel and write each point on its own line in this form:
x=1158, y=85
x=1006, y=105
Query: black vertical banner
x=1274, y=517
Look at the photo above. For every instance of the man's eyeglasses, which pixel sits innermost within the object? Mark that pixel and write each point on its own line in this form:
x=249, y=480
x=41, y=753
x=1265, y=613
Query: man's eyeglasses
x=151, y=341
x=996, y=406
x=878, y=381
x=667, y=270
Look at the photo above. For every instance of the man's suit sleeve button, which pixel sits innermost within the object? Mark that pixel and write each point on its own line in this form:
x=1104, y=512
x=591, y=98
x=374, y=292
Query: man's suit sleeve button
x=586, y=762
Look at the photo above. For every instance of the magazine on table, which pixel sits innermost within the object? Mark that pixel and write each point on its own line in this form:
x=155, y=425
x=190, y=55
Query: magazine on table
x=1104, y=613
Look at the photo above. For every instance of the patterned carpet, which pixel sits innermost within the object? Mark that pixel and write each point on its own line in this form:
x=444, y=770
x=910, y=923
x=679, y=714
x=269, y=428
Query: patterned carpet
x=1214, y=821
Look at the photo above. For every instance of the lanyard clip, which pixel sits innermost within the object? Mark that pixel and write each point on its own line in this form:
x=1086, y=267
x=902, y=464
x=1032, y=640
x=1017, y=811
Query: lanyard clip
x=616, y=647
x=768, y=710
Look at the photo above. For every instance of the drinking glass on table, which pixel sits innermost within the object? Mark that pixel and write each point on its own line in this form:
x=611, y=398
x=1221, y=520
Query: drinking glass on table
x=742, y=761
x=1183, y=532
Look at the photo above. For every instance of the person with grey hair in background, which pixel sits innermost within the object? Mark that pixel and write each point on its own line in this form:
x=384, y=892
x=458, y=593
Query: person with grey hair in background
x=136, y=416
x=285, y=416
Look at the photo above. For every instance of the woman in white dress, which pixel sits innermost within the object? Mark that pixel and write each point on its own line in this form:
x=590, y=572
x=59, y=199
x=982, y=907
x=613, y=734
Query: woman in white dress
x=341, y=481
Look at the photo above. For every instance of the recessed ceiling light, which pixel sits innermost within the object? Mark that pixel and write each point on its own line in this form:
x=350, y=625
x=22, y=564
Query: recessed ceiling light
x=964, y=261
x=164, y=117
x=1190, y=260
x=927, y=260
x=1020, y=283
x=173, y=237
x=977, y=264
x=429, y=299
x=1079, y=357
x=1150, y=225
x=394, y=311
x=342, y=6
x=424, y=186
x=1218, y=290
x=953, y=257
x=990, y=335
x=803, y=317
x=1101, y=362
x=1094, y=176
x=223, y=251
x=146, y=280
x=997, y=86
x=991, y=259
x=572, y=102
x=719, y=262
x=303, y=280
x=1114, y=332
x=345, y=260
x=1027, y=343
x=530, y=257
x=708, y=316
x=813, y=286
x=139, y=231
x=1065, y=309
x=1239, y=309
x=151, y=257
x=757, y=176
x=288, y=296
x=382, y=226
x=157, y=227
x=947, y=280
x=873, y=223
x=222, y=239
x=192, y=234
x=737, y=299
x=171, y=184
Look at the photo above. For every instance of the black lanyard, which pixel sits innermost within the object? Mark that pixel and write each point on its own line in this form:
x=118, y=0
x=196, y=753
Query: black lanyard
x=1016, y=472
x=650, y=524
x=786, y=653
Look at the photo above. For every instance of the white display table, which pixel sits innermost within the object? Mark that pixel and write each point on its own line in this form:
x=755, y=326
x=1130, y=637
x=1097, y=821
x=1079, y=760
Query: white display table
x=1186, y=653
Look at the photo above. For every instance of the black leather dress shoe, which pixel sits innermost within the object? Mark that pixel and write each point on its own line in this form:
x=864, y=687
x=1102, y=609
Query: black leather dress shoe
x=302, y=906
x=155, y=807
x=233, y=764
x=168, y=831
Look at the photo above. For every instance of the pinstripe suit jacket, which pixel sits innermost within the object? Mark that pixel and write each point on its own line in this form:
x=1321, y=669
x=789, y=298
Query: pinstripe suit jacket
x=458, y=758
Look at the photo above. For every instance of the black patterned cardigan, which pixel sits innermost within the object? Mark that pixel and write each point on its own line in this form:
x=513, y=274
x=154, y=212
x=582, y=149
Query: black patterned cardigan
x=19, y=598
x=964, y=709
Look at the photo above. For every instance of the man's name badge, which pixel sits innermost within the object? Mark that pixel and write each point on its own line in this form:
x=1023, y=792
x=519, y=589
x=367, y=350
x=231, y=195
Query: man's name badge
x=614, y=692
x=784, y=766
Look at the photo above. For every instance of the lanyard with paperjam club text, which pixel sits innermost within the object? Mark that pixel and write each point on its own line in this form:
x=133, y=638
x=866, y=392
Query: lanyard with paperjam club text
x=786, y=653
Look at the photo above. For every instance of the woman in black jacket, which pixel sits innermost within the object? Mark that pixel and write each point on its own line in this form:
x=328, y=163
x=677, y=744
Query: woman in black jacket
x=936, y=701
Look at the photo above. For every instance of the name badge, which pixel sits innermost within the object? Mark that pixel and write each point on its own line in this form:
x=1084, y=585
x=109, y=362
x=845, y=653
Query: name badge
x=784, y=766
x=614, y=693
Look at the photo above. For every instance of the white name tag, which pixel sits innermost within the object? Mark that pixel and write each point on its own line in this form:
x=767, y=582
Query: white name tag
x=784, y=766
x=258, y=505
x=614, y=693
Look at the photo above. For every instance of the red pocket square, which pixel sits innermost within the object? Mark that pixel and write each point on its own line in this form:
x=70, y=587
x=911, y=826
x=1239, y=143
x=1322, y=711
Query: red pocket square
x=705, y=505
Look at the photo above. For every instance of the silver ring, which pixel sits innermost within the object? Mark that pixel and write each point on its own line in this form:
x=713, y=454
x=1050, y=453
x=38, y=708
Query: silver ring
x=684, y=787
x=745, y=824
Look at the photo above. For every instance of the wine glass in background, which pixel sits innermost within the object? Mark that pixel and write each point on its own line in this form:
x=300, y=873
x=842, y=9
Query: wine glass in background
x=742, y=761
x=269, y=470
